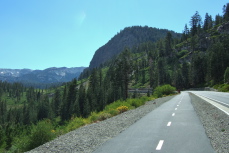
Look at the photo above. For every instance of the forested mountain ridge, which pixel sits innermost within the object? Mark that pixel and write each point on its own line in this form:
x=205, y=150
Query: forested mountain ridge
x=129, y=37
x=199, y=58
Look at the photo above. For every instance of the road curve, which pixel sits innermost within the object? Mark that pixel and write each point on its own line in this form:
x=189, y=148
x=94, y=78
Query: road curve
x=173, y=127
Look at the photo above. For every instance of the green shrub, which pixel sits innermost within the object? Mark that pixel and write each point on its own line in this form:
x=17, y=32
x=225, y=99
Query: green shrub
x=113, y=112
x=117, y=104
x=94, y=117
x=226, y=75
x=163, y=90
x=224, y=88
x=40, y=134
x=136, y=103
x=76, y=123
x=104, y=116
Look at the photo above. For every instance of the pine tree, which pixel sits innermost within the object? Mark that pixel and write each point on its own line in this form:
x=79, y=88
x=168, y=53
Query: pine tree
x=163, y=76
x=63, y=108
x=3, y=112
x=71, y=99
x=185, y=74
x=185, y=33
x=82, y=100
x=218, y=59
x=168, y=44
x=178, y=79
x=151, y=68
x=18, y=116
x=207, y=22
x=198, y=69
x=124, y=68
x=43, y=108
x=26, y=117
x=57, y=102
x=218, y=19
x=93, y=89
x=160, y=49
x=86, y=108
x=195, y=23
x=2, y=136
x=9, y=137
x=226, y=12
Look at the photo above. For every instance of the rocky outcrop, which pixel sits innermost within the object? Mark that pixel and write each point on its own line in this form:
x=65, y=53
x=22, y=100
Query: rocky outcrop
x=224, y=28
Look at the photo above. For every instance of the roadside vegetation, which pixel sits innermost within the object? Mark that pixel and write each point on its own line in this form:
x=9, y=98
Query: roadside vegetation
x=21, y=137
x=30, y=117
x=222, y=87
x=28, y=137
x=164, y=90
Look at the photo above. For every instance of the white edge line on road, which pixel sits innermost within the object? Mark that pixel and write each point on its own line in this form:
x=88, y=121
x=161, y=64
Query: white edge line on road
x=175, y=108
x=212, y=103
x=160, y=145
x=169, y=123
x=173, y=114
x=215, y=100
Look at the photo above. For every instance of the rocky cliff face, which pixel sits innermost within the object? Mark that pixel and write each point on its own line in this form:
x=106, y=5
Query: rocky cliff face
x=127, y=38
x=224, y=28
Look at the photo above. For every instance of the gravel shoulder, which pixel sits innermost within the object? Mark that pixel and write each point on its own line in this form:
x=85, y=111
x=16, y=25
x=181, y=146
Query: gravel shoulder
x=88, y=138
x=215, y=122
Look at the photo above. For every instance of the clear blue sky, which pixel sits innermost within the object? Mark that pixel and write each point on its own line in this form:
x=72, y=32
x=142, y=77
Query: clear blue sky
x=38, y=34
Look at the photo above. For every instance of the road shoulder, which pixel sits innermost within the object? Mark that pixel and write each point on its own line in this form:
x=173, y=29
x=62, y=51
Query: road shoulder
x=215, y=122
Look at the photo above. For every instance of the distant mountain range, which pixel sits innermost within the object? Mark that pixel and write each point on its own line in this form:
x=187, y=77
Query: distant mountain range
x=48, y=76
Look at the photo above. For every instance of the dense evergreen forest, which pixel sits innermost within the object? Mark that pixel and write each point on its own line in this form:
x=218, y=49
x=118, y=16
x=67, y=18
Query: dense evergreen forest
x=199, y=58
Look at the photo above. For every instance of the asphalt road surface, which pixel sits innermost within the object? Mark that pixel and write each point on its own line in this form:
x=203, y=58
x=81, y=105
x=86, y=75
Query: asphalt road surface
x=220, y=97
x=174, y=127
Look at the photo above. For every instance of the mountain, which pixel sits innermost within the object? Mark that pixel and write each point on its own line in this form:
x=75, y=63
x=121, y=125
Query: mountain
x=128, y=38
x=47, y=76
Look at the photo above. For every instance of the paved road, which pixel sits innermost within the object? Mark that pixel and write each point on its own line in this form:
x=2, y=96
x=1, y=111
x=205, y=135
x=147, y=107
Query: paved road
x=173, y=127
x=220, y=97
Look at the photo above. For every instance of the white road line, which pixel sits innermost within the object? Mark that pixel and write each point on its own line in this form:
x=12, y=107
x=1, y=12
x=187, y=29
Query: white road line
x=215, y=100
x=160, y=145
x=169, y=123
x=177, y=105
x=173, y=114
x=181, y=98
x=217, y=105
x=175, y=108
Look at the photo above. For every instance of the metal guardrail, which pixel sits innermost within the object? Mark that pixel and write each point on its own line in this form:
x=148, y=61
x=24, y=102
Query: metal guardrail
x=202, y=89
x=140, y=90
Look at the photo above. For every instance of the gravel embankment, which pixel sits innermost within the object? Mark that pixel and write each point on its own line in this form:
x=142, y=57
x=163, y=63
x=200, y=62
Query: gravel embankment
x=86, y=139
x=215, y=122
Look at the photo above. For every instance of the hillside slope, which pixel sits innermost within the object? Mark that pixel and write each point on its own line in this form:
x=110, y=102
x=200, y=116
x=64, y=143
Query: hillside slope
x=129, y=37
